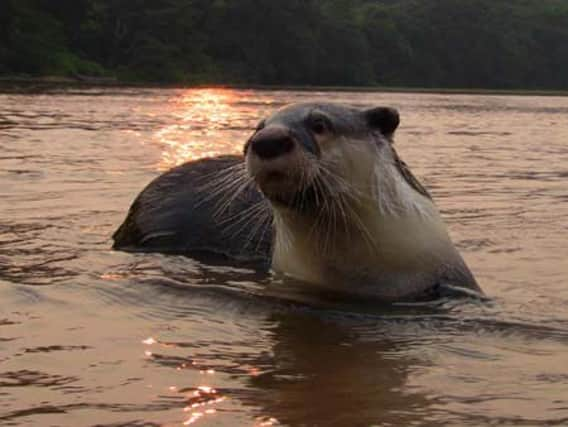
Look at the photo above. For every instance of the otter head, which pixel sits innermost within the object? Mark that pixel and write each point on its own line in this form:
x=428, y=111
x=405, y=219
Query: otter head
x=306, y=153
x=347, y=211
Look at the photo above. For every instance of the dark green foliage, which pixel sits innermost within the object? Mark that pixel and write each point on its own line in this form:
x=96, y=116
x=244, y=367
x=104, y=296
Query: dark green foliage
x=426, y=43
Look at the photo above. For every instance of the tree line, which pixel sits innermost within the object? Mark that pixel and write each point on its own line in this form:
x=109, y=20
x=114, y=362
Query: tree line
x=507, y=44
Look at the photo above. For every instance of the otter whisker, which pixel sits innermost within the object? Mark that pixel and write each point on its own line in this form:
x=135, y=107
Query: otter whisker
x=264, y=224
x=347, y=200
x=230, y=219
x=340, y=183
x=261, y=225
x=221, y=185
x=229, y=178
x=329, y=219
x=226, y=173
x=212, y=179
x=232, y=182
x=284, y=235
x=234, y=192
x=342, y=195
x=318, y=186
x=246, y=218
x=245, y=223
x=304, y=185
x=360, y=225
x=258, y=209
x=227, y=187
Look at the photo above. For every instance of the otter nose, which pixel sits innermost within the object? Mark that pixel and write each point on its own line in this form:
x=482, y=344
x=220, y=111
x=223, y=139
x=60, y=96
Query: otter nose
x=271, y=142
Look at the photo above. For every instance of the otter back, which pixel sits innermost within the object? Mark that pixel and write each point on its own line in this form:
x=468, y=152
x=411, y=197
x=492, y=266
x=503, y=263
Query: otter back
x=181, y=212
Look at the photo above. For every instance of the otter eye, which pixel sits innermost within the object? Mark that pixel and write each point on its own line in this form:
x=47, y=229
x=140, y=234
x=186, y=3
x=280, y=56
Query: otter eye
x=319, y=125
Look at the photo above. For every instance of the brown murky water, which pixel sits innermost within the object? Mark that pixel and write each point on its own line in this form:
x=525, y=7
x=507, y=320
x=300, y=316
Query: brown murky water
x=90, y=337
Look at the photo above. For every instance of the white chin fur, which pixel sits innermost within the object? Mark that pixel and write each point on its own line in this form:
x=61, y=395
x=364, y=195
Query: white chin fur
x=395, y=232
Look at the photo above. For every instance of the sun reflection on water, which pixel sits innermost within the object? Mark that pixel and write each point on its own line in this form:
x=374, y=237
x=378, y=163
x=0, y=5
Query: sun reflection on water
x=202, y=397
x=199, y=401
x=206, y=123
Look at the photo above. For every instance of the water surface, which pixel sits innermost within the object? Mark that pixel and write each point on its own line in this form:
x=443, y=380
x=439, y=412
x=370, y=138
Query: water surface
x=93, y=337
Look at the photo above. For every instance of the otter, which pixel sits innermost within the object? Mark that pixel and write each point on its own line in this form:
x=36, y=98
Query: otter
x=320, y=195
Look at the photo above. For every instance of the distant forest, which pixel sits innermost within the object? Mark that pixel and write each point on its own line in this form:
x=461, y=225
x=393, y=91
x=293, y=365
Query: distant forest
x=500, y=44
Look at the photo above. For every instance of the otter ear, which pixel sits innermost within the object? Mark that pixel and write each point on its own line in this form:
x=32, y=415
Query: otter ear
x=384, y=119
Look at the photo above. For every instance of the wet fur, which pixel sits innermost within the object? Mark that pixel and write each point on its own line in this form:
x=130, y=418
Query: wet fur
x=208, y=208
x=358, y=221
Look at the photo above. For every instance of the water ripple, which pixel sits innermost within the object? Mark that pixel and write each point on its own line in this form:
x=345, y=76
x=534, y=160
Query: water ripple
x=118, y=339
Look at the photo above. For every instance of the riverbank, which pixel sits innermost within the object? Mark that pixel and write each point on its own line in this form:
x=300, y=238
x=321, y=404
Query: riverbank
x=19, y=83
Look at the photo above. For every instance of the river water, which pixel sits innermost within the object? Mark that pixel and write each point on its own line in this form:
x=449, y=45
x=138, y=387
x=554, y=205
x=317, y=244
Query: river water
x=95, y=337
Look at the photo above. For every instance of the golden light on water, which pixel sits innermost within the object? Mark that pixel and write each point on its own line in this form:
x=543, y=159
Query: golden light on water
x=203, y=119
x=267, y=422
x=199, y=403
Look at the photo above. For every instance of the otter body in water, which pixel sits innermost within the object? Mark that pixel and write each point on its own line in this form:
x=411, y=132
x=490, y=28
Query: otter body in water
x=320, y=195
